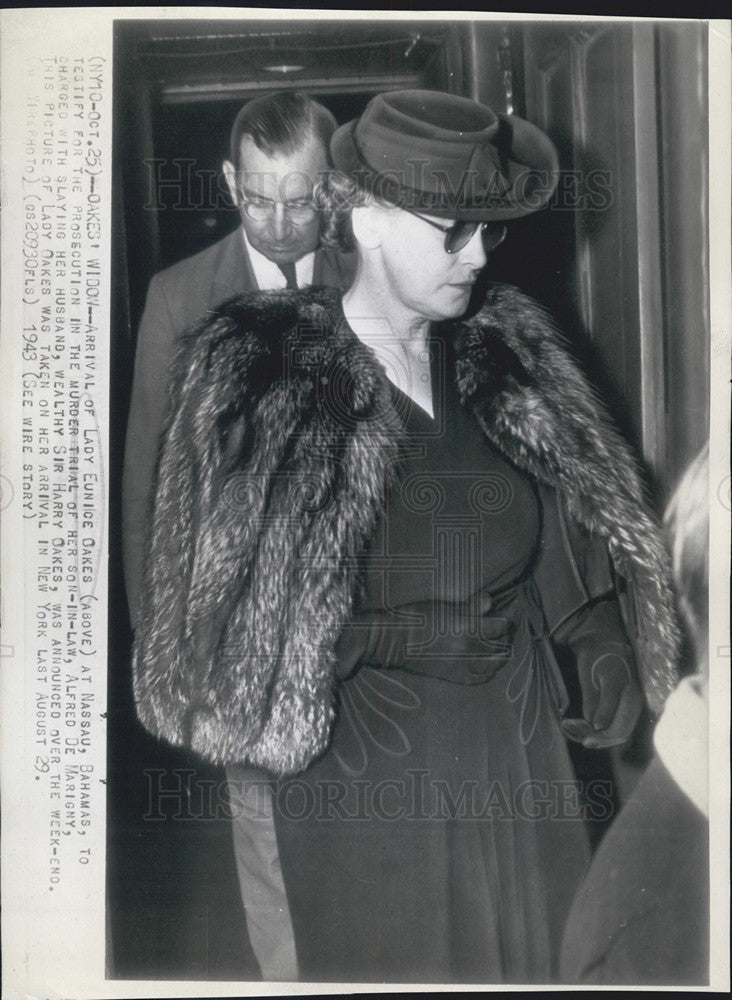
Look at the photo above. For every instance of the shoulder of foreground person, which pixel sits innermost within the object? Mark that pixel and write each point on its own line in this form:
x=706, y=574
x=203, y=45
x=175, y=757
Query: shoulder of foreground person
x=641, y=914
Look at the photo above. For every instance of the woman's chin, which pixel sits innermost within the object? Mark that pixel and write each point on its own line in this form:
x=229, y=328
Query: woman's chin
x=453, y=302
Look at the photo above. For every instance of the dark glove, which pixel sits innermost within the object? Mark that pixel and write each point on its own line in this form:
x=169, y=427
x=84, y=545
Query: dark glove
x=434, y=638
x=611, y=695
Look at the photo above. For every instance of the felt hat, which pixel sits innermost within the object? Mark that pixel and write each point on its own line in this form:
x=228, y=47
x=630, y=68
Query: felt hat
x=447, y=156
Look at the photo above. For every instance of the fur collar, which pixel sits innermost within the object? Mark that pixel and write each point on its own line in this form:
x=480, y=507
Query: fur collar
x=257, y=526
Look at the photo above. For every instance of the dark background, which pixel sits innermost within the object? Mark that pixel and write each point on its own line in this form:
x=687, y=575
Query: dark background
x=619, y=258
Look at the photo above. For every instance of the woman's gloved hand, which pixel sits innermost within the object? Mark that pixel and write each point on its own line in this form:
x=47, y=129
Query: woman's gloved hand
x=611, y=694
x=436, y=638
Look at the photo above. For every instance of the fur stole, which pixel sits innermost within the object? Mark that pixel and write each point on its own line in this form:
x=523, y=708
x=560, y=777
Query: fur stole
x=280, y=437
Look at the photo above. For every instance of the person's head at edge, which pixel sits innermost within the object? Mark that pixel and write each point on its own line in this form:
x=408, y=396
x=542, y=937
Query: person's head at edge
x=423, y=186
x=278, y=149
x=686, y=521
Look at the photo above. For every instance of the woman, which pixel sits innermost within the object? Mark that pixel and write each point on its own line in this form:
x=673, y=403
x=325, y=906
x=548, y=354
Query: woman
x=374, y=527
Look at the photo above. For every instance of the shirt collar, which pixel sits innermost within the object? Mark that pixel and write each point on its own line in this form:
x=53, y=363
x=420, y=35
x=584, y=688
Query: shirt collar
x=268, y=274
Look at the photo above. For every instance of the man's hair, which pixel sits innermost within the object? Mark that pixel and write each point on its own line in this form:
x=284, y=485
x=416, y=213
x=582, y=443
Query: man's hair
x=281, y=124
x=687, y=526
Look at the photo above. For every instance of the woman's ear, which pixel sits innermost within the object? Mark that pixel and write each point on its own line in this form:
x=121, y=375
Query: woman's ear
x=366, y=223
x=230, y=175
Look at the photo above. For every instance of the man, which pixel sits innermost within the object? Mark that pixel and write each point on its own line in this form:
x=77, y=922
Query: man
x=279, y=145
x=641, y=916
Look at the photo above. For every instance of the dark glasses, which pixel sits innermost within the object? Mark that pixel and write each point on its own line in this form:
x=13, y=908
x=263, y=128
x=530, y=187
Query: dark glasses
x=460, y=233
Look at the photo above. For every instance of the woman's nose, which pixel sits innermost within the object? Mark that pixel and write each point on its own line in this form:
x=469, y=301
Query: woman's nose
x=473, y=252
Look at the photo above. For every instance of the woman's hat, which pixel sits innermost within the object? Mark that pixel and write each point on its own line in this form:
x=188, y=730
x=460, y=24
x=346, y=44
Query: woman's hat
x=448, y=156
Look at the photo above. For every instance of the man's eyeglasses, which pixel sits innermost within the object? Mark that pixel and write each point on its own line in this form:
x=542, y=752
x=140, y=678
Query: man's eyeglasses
x=298, y=211
x=460, y=233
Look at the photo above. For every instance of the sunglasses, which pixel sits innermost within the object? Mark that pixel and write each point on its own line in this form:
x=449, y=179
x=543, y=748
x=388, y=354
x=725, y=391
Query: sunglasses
x=460, y=233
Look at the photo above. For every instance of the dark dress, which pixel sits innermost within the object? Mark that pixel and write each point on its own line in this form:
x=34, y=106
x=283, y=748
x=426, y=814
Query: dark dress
x=439, y=838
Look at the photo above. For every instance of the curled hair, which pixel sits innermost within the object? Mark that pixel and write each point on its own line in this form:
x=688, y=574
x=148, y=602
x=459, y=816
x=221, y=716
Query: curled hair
x=336, y=195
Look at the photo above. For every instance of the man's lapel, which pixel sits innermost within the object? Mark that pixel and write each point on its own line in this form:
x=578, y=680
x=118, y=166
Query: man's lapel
x=234, y=273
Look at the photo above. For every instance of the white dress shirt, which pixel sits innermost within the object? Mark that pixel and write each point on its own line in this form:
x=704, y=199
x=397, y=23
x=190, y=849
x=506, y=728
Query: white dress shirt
x=268, y=275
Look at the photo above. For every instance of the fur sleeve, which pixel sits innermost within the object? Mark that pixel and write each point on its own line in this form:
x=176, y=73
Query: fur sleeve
x=541, y=411
x=190, y=487
x=267, y=487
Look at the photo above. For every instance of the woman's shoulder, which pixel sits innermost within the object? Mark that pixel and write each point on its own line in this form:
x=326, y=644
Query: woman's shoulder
x=510, y=335
x=261, y=327
x=275, y=316
x=295, y=339
x=513, y=316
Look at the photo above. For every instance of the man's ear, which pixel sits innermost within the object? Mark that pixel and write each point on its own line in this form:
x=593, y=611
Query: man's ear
x=230, y=175
x=367, y=222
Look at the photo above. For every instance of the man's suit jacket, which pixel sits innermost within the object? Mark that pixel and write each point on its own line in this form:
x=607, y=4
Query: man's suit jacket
x=641, y=916
x=177, y=299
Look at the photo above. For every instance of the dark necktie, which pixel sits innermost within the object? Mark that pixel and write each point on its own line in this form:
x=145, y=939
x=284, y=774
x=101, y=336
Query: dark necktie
x=289, y=272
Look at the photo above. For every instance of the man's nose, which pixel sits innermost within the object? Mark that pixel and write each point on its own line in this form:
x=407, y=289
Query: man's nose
x=279, y=223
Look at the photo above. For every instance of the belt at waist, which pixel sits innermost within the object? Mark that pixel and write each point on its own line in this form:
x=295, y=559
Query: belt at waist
x=453, y=643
